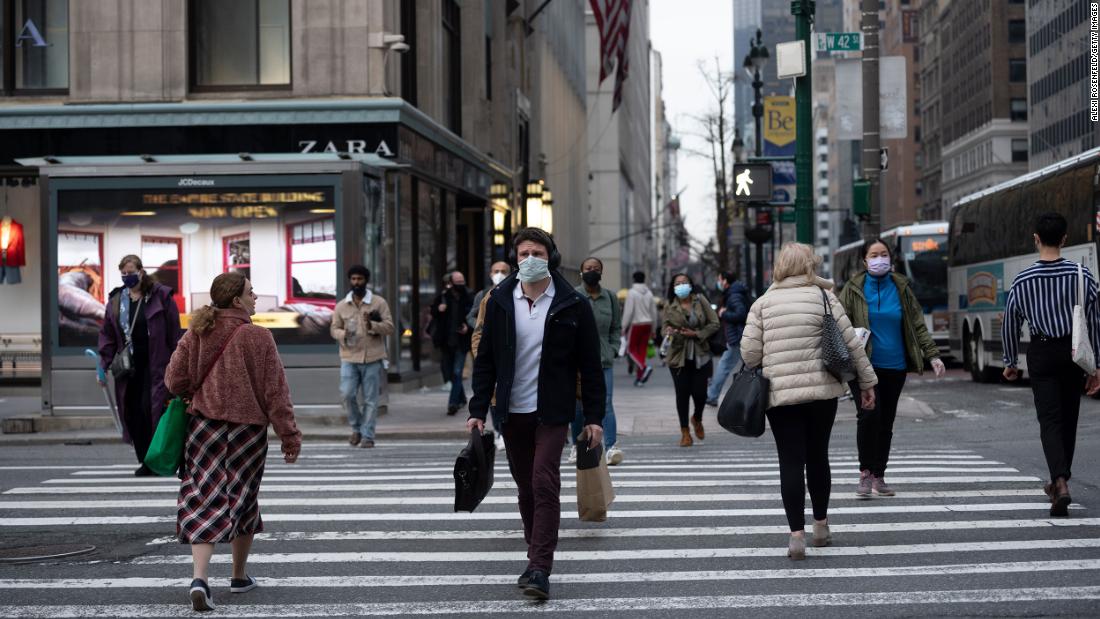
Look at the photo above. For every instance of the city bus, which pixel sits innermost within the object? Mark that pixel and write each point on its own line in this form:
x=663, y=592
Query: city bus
x=920, y=253
x=990, y=242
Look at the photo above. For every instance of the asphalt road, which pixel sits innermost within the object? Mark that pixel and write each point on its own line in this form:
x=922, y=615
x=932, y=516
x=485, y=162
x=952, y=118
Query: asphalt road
x=700, y=530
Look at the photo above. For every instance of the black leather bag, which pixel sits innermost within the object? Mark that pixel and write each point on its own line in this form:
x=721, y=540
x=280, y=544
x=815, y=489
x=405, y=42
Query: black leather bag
x=717, y=341
x=474, y=471
x=743, y=406
x=834, y=351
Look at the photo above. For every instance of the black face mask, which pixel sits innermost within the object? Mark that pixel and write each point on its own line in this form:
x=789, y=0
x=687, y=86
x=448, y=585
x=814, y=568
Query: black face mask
x=591, y=278
x=460, y=289
x=359, y=291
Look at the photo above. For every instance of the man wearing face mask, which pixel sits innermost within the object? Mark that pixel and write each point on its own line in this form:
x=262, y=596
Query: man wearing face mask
x=452, y=336
x=360, y=324
x=538, y=335
x=734, y=313
x=884, y=303
x=609, y=325
x=497, y=273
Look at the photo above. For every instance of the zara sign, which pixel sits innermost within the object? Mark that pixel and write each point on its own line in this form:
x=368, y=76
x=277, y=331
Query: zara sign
x=30, y=32
x=351, y=146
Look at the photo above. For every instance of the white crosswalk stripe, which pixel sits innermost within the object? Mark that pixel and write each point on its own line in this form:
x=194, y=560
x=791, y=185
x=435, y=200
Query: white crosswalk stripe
x=973, y=530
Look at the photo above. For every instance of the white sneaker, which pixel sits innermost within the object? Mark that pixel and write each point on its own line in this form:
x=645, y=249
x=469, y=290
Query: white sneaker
x=572, y=454
x=445, y=387
x=499, y=442
x=614, y=456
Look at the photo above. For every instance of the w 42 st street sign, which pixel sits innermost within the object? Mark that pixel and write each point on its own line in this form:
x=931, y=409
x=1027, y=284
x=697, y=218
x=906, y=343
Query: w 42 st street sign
x=838, y=42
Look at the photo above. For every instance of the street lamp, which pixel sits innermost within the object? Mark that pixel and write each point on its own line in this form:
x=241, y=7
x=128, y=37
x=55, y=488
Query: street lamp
x=739, y=152
x=754, y=63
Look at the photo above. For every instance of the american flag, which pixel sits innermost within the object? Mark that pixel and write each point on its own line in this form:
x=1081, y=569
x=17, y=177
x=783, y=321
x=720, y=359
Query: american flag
x=613, y=20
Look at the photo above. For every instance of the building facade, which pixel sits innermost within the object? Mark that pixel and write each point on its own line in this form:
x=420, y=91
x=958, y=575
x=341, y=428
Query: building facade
x=933, y=14
x=1057, y=103
x=451, y=109
x=984, y=69
x=900, y=184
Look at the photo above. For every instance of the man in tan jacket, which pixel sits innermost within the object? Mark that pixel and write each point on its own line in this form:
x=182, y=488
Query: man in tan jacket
x=360, y=324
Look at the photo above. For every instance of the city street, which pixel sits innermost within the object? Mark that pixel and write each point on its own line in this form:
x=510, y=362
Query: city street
x=700, y=530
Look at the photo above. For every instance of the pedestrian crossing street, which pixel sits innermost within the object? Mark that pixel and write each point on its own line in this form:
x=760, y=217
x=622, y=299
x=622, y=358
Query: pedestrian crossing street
x=701, y=530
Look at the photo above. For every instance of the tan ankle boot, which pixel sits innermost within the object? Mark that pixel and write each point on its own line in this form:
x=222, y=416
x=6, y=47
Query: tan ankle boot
x=685, y=437
x=698, y=425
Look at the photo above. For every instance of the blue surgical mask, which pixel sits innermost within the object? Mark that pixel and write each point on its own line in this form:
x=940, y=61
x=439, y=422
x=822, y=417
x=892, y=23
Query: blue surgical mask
x=682, y=290
x=533, y=269
x=719, y=286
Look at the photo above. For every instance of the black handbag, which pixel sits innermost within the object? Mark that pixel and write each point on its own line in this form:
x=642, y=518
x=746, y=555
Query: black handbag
x=834, y=351
x=743, y=406
x=474, y=471
x=717, y=341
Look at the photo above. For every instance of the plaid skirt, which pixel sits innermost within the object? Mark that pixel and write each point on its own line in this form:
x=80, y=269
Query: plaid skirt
x=222, y=467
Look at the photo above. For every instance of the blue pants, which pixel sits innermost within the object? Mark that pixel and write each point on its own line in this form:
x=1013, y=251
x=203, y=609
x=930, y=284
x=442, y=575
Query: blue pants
x=608, y=418
x=365, y=377
x=726, y=363
x=453, y=363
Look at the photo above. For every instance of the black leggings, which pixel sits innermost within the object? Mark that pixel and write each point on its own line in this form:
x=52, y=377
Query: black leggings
x=875, y=427
x=801, y=434
x=691, y=384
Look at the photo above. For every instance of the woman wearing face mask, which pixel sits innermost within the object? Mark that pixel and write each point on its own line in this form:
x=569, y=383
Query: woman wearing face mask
x=883, y=302
x=689, y=321
x=143, y=322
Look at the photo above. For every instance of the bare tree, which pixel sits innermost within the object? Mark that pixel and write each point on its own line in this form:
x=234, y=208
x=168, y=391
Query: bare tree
x=715, y=130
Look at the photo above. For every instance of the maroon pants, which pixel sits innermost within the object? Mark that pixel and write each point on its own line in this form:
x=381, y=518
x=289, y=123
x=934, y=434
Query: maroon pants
x=534, y=457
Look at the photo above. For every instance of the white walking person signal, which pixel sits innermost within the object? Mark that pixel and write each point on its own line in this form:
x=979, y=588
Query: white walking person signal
x=744, y=179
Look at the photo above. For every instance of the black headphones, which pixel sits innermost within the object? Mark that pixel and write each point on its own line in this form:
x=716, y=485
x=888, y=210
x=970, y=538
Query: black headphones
x=540, y=236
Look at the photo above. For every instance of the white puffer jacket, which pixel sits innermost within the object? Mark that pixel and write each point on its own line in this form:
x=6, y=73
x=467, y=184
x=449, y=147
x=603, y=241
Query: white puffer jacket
x=783, y=333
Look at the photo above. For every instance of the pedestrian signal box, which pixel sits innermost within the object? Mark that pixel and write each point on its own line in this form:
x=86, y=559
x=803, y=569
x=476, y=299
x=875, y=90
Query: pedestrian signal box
x=752, y=182
x=861, y=198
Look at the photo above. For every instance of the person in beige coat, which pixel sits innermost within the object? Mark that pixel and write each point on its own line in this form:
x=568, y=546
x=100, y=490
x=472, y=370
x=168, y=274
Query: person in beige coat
x=360, y=324
x=783, y=336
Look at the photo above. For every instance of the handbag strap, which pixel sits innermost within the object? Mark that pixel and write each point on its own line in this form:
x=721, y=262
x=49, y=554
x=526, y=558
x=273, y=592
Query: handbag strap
x=133, y=319
x=216, y=359
x=825, y=302
x=1080, y=285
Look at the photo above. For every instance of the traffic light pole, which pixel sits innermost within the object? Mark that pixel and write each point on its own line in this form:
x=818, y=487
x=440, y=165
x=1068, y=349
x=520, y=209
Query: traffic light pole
x=871, y=161
x=803, y=10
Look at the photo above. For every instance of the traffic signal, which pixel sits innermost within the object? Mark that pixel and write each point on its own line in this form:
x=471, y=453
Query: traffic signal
x=861, y=198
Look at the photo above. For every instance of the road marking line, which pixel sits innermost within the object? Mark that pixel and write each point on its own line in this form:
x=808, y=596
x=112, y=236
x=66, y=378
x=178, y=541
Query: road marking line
x=502, y=500
x=482, y=556
x=567, y=533
x=512, y=515
x=582, y=578
x=622, y=483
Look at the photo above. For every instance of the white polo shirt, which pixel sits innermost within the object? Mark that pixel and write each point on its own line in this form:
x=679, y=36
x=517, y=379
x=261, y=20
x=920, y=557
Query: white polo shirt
x=530, y=327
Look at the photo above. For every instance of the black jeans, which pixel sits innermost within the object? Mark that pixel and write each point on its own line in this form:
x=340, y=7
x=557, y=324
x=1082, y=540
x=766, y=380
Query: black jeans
x=875, y=427
x=691, y=384
x=137, y=408
x=1056, y=383
x=802, y=434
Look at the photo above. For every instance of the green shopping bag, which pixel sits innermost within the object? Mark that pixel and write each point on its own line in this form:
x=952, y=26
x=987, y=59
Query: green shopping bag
x=166, y=450
x=650, y=351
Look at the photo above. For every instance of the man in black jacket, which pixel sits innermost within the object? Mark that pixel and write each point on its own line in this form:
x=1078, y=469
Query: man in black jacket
x=539, y=334
x=451, y=335
x=734, y=313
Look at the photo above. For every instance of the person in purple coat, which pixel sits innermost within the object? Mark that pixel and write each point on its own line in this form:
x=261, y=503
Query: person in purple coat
x=143, y=318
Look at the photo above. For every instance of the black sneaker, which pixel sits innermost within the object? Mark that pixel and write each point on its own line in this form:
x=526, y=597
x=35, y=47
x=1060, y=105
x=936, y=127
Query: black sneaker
x=452, y=409
x=201, y=599
x=538, y=586
x=524, y=578
x=144, y=471
x=242, y=585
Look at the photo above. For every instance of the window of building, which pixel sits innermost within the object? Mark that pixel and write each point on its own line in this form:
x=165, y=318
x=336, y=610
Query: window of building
x=1017, y=70
x=489, y=50
x=824, y=175
x=408, y=59
x=824, y=192
x=1017, y=31
x=823, y=141
x=823, y=158
x=237, y=254
x=311, y=255
x=163, y=260
x=1019, y=150
x=1018, y=109
x=452, y=66
x=35, y=46
x=240, y=44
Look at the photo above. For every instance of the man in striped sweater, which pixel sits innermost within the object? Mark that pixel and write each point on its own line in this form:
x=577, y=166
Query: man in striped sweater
x=1044, y=295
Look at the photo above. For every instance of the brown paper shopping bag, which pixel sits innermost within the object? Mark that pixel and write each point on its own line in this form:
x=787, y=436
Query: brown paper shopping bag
x=594, y=490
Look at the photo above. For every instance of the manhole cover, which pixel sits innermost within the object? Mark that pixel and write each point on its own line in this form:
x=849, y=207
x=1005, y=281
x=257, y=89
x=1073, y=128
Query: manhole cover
x=26, y=554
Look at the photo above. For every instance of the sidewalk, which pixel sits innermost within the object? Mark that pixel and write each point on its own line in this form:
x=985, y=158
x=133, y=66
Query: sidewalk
x=639, y=411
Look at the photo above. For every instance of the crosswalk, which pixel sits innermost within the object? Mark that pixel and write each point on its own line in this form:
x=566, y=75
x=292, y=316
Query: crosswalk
x=358, y=533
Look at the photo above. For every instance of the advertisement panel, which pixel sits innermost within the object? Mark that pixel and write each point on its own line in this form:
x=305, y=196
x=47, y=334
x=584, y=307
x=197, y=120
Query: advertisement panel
x=985, y=289
x=779, y=141
x=282, y=238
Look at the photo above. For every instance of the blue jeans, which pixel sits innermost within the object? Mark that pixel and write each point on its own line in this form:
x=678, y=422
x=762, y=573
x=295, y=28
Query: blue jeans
x=365, y=377
x=726, y=363
x=608, y=418
x=454, y=362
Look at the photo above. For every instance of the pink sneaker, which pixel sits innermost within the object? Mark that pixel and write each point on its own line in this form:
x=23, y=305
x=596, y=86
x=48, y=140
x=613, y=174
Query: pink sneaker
x=878, y=484
x=863, y=491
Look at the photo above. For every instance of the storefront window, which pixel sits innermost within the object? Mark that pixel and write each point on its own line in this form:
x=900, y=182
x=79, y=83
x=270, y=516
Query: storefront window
x=405, y=312
x=186, y=237
x=431, y=247
x=313, y=260
x=241, y=43
x=40, y=31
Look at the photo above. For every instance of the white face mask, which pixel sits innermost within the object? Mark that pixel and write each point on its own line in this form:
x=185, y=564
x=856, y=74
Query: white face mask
x=878, y=266
x=497, y=278
x=533, y=269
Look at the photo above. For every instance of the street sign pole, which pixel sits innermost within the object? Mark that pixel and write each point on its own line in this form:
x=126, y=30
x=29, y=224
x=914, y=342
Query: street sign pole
x=803, y=10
